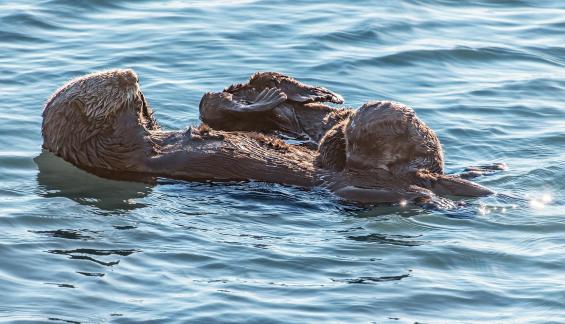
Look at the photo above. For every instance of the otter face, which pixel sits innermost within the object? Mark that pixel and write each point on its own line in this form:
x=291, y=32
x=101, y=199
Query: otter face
x=98, y=120
x=388, y=135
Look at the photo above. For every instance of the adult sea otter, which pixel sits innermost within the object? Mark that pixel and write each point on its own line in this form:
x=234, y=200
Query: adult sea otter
x=102, y=123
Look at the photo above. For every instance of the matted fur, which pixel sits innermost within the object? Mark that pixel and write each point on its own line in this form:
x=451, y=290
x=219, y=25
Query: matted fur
x=332, y=149
x=295, y=90
x=79, y=120
x=380, y=153
x=380, y=150
x=388, y=135
x=293, y=108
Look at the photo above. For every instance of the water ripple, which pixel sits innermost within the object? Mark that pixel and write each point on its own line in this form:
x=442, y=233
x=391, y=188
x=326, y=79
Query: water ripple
x=487, y=76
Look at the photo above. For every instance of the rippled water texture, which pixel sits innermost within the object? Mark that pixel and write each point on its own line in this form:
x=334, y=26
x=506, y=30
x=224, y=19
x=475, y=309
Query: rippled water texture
x=488, y=76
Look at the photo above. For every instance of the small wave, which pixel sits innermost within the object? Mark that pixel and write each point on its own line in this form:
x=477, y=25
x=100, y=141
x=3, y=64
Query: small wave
x=372, y=280
x=8, y=37
x=402, y=240
x=462, y=55
x=87, y=254
x=28, y=21
x=69, y=234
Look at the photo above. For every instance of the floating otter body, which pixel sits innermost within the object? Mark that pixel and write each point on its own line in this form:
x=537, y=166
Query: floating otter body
x=102, y=123
x=380, y=134
x=271, y=101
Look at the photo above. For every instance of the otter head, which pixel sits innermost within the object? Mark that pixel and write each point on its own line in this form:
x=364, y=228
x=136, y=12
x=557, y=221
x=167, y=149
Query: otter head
x=100, y=121
x=383, y=136
x=387, y=135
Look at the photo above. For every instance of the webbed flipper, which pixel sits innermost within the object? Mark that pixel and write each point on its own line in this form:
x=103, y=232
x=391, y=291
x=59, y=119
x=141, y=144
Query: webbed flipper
x=376, y=195
x=413, y=195
x=294, y=90
x=225, y=111
x=446, y=185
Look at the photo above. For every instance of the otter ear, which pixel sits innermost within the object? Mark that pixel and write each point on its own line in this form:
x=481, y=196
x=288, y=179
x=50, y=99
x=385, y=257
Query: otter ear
x=446, y=185
x=294, y=90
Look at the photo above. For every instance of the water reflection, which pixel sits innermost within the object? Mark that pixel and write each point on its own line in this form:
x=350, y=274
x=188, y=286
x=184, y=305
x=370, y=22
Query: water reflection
x=70, y=234
x=402, y=240
x=94, y=255
x=371, y=280
x=58, y=178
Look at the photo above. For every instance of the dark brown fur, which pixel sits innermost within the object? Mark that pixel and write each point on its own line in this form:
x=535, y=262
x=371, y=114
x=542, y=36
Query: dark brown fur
x=389, y=136
x=383, y=140
x=332, y=149
x=103, y=122
x=296, y=111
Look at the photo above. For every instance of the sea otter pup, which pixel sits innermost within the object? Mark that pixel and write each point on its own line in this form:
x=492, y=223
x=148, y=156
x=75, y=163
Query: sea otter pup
x=389, y=134
x=102, y=123
x=272, y=101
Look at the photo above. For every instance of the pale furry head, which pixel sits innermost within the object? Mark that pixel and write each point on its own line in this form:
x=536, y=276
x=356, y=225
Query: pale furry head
x=388, y=135
x=98, y=120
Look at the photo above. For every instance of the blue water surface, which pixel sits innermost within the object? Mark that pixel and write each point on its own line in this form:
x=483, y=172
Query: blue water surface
x=487, y=76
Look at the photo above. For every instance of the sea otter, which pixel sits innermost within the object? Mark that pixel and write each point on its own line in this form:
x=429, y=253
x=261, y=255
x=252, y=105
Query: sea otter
x=102, y=123
x=272, y=101
x=390, y=133
x=393, y=137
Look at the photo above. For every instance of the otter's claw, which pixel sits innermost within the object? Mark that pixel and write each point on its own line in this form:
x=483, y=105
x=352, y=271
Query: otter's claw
x=267, y=99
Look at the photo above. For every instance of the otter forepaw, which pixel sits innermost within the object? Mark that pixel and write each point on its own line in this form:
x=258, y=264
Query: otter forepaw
x=267, y=99
x=294, y=89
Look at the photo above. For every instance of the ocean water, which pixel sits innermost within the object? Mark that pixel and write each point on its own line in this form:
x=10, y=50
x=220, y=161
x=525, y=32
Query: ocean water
x=487, y=75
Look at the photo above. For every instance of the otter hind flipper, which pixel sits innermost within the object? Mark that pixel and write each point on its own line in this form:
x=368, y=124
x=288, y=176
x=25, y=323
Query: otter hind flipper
x=375, y=195
x=413, y=194
x=445, y=185
x=294, y=90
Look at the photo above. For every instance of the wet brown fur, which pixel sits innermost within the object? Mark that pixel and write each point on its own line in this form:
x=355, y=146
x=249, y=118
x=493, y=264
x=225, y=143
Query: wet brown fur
x=302, y=115
x=332, y=149
x=383, y=140
x=102, y=122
